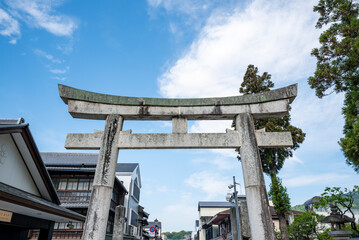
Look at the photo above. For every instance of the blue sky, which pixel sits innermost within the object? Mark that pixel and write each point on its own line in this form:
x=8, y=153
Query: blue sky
x=170, y=48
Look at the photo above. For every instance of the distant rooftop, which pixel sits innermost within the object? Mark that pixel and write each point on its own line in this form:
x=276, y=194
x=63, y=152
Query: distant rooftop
x=126, y=167
x=67, y=158
x=77, y=159
x=212, y=204
x=11, y=121
x=154, y=224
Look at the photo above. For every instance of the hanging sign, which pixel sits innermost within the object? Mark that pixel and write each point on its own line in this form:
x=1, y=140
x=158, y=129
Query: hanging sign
x=5, y=216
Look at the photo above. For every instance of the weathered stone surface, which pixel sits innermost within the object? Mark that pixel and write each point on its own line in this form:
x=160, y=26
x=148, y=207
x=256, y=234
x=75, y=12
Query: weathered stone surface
x=90, y=110
x=257, y=200
x=179, y=125
x=118, y=226
x=96, y=219
x=245, y=228
x=231, y=139
x=89, y=105
x=69, y=93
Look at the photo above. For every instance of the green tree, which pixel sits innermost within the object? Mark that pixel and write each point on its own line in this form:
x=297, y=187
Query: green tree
x=281, y=201
x=272, y=158
x=305, y=227
x=342, y=198
x=337, y=67
x=177, y=235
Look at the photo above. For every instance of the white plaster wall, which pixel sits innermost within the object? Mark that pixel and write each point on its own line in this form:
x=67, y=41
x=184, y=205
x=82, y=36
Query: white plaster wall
x=126, y=183
x=276, y=225
x=202, y=234
x=13, y=170
x=130, y=203
x=209, y=212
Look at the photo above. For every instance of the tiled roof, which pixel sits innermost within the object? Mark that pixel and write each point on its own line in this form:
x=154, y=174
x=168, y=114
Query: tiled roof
x=54, y=158
x=84, y=204
x=70, y=158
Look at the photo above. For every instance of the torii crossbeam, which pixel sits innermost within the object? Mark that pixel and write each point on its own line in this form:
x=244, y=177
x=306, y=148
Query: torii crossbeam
x=116, y=109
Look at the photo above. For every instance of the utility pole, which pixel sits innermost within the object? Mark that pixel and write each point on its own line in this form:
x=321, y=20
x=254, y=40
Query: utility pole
x=237, y=210
x=230, y=199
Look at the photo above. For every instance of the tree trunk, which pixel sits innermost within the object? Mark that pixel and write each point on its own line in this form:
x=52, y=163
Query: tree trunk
x=283, y=227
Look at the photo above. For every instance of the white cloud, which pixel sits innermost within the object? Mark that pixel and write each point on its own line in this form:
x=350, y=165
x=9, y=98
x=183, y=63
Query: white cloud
x=293, y=160
x=46, y=55
x=210, y=126
x=37, y=14
x=162, y=189
x=41, y=14
x=321, y=119
x=67, y=46
x=59, y=71
x=184, y=16
x=188, y=7
x=317, y=179
x=220, y=160
x=276, y=36
x=185, y=209
x=13, y=41
x=211, y=183
x=59, y=78
x=9, y=26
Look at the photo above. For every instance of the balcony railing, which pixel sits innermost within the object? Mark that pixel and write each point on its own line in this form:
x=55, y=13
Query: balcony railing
x=74, y=196
x=60, y=234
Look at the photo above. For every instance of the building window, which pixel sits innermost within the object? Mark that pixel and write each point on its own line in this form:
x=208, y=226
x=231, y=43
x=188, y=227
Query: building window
x=83, y=184
x=136, y=191
x=66, y=225
x=134, y=218
x=71, y=189
x=110, y=223
x=62, y=184
x=72, y=184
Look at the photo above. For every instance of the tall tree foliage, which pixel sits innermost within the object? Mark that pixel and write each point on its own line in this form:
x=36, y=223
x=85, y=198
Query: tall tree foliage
x=177, y=235
x=338, y=66
x=281, y=201
x=273, y=158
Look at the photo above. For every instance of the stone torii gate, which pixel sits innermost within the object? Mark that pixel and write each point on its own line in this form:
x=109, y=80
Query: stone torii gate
x=116, y=109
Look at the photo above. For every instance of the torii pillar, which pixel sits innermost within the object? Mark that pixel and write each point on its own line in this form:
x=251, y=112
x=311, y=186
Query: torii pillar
x=116, y=109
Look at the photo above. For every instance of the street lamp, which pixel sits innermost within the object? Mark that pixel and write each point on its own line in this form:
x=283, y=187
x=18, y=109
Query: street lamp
x=229, y=198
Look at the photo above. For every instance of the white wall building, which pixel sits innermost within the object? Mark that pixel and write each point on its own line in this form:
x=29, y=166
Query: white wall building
x=206, y=211
x=129, y=174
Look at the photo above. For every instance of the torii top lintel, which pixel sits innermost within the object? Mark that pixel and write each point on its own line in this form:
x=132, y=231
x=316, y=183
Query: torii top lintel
x=91, y=105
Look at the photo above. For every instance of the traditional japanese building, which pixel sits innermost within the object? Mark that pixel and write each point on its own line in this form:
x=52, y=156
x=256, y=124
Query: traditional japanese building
x=72, y=175
x=29, y=205
x=142, y=222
